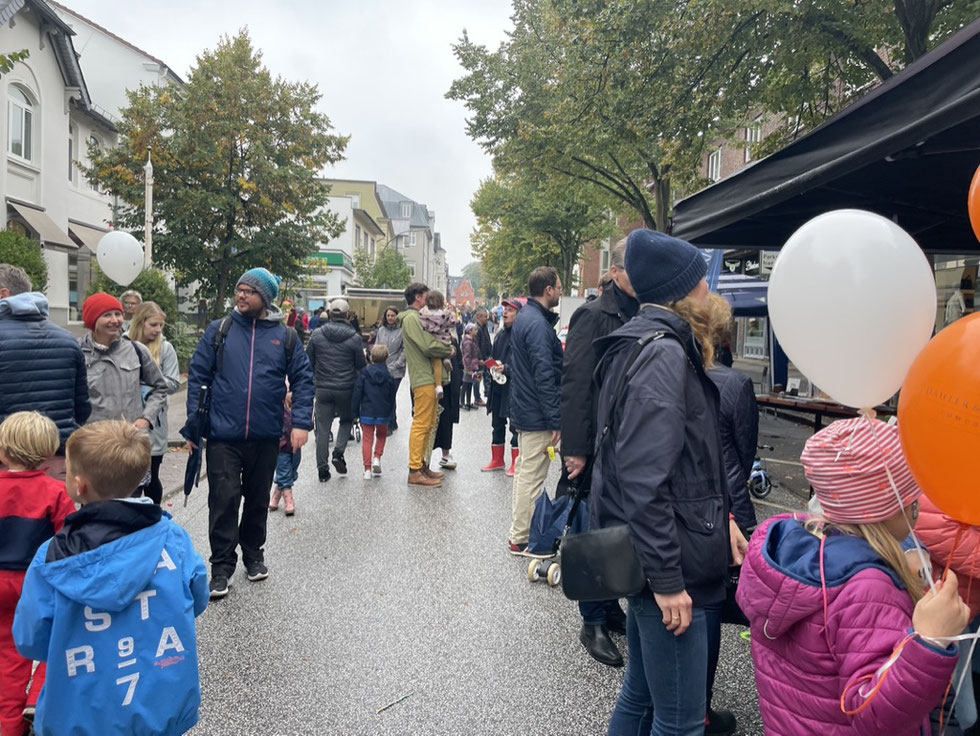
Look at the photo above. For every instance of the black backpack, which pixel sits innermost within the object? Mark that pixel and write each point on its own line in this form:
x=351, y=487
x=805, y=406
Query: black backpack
x=292, y=338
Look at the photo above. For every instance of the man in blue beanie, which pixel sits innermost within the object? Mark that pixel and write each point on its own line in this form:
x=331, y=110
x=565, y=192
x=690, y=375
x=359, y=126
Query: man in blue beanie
x=660, y=470
x=246, y=358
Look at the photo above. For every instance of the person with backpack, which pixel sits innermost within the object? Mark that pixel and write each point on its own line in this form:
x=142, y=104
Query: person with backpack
x=246, y=358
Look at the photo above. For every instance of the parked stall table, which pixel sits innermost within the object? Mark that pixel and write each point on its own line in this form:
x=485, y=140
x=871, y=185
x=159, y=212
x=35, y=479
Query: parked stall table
x=819, y=408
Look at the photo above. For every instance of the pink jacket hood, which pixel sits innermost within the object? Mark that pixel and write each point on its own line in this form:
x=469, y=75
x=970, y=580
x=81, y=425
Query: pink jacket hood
x=806, y=658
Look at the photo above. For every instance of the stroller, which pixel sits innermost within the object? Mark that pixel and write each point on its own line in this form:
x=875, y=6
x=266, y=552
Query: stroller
x=552, y=520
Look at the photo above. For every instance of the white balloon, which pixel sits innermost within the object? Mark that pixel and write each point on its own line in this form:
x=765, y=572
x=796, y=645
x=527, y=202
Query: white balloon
x=120, y=257
x=852, y=299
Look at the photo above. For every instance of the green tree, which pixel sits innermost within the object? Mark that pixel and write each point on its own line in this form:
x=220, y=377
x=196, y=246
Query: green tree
x=7, y=61
x=523, y=223
x=236, y=154
x=473, y=272
x=19, y=250
x=387, y=270
x=153, y=286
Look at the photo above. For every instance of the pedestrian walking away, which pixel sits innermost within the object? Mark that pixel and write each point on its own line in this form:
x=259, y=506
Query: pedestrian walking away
x=246, y=359
x=390, y=335
x=373, y=403
x=337, y=356
x=35, y=352
x=147, y=329
x=660, y=471
x=591, y=321
x=535, y=398
x=421, y=348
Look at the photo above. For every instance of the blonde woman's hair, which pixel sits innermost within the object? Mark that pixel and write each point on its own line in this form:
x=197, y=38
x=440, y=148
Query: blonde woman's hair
x=143, y=312
x=881, y=541
x=379, y=353
x=719, y=320
x=28, y=438
x=113, y=456
x=697, y=313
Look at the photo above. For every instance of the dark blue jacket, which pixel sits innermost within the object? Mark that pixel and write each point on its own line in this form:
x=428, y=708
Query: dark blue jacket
x=659, y=469
x=41, y=366
x=739, y=437
x=247, y=396
x=535, y=371
x=374, y=395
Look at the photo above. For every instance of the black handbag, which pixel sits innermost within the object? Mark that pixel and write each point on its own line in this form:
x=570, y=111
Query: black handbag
x=601, y=564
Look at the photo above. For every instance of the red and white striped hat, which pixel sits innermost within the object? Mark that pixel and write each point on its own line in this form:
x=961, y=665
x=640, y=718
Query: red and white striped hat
x=845, y=463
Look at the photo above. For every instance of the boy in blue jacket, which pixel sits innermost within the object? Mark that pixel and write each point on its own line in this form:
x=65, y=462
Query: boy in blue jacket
x=374, y=404
x=109, y=602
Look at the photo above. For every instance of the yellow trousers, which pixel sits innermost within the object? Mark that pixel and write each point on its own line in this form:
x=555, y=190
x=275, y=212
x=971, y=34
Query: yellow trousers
x=422, y=425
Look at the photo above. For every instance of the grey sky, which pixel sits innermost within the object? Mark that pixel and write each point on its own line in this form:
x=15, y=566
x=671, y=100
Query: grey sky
x=383, y=67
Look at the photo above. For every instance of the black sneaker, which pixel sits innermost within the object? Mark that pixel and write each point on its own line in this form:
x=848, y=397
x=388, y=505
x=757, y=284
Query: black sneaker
x=257, y=571
x=719, y=722
x=324, y=474
x=219, y=586
x=340, y=464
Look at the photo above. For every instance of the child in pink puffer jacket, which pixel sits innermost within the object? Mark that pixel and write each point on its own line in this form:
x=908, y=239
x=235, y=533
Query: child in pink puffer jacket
x=831, y=598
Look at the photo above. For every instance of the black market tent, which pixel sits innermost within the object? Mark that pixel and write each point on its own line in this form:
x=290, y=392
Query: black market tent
x=906, y=150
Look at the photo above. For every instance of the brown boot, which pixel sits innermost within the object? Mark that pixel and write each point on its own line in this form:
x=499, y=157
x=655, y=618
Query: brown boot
x=290, y=504
x=418, y=478
x=429, y=473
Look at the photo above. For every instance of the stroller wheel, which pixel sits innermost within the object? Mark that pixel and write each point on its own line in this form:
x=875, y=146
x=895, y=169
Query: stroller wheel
x=760, y=486
x=533, y=575
x=554, y=574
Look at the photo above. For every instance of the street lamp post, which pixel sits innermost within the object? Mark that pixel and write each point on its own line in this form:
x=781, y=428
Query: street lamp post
x=148, y=214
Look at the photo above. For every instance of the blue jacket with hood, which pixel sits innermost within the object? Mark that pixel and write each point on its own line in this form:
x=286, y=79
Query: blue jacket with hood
x=41, y=366
x=109, y=603
x=247, y=395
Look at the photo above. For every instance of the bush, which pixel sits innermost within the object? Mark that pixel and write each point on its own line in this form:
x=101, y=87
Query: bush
x=153, y=287
x=20, y=251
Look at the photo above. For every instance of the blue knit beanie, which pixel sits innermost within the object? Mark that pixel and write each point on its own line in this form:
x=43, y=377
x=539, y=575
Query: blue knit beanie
x=264, y=282
x=662, y=269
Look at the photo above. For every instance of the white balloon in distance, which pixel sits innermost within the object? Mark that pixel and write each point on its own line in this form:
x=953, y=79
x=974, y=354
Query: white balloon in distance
x=120, y=257
x=852, y=299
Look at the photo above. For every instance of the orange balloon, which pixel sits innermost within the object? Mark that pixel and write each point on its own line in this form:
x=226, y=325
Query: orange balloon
x=973, y=204
x=939, y=420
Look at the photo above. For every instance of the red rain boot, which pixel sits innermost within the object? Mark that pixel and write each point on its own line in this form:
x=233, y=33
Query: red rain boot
x=514, y=452
x=497, y=460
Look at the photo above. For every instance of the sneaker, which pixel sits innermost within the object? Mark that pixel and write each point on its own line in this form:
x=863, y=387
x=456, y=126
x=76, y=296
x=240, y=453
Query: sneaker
x=447, y=462
x=29, y=712
x=439, y=392
x=368, y=475
x=257, y=571
x=324, y=474
x=719, y=722
x=376, y=466
x=219, y=586
x=340, y=464
x=516, y=549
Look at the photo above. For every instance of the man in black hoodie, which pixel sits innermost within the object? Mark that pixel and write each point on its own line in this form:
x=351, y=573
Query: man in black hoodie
x=337, y=355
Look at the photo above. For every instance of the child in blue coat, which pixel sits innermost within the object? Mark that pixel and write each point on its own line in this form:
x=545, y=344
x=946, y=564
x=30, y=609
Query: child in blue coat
x=374, y=404
x=109, y=602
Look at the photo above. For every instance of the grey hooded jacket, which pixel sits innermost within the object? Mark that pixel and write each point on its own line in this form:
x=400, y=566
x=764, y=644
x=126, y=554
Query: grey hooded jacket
x=116, y=377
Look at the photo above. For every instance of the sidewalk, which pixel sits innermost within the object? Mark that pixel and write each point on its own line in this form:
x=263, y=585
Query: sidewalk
x=175, y=461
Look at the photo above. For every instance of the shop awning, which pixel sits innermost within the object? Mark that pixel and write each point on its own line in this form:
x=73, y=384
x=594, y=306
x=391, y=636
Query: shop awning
x=747, y=294
x=906, y=150
x=89, y=236
x=46, y=229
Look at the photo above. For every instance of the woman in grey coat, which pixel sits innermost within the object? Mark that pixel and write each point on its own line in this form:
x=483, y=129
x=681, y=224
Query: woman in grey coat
x=147, y=328
x=390, y=335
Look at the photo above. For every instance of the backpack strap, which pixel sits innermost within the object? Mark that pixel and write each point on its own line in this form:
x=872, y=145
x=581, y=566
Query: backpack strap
x=292, y=339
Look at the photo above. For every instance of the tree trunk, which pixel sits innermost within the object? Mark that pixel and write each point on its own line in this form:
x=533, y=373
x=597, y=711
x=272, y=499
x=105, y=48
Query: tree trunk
x=661, y=201
x=218, y=306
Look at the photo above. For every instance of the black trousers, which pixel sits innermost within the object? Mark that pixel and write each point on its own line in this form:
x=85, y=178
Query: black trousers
x=499, y=424
x=237, y=471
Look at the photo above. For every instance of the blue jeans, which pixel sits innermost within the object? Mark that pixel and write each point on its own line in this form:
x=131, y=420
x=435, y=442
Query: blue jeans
x=287, y=469
x=666, y=677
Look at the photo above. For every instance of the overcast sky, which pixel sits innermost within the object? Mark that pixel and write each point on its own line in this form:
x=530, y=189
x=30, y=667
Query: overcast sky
x=383, y=67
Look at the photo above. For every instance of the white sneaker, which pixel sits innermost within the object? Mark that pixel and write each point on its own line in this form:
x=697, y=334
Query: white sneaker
x=376, y=466
x=439, y=392
x=447, y=462
x=367, y=475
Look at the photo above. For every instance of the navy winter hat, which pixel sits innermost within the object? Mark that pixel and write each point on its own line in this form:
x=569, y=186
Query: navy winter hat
x=662, y=269
x=264, y=282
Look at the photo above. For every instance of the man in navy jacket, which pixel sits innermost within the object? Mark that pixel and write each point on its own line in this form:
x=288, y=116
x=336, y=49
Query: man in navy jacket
x=535, y=397
x=41, y=366
x=247, y=394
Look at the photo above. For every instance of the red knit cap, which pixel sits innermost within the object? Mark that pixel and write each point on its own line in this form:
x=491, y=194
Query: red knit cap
x=97, y=305
x=845, y=463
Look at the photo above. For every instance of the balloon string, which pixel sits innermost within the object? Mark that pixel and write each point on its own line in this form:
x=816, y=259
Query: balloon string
x=956, y=543
x=924, y=564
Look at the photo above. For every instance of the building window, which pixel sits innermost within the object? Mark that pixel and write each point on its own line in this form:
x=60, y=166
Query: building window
x=604, y=261
x=355, y=201
x=412, y=239
x=406, y=209
x=411, y=269
x=714, y=165
x=753, y=135
x=373, y=246
x=95, y=145
x=71, y=154
x=357, y=237
x=20, y=124
x=73, y=288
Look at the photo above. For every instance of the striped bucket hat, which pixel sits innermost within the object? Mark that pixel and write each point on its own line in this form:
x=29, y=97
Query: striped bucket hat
x=845, y=463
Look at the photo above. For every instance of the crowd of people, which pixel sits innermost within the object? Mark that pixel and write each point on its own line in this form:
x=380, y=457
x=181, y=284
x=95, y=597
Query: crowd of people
x=647, y=420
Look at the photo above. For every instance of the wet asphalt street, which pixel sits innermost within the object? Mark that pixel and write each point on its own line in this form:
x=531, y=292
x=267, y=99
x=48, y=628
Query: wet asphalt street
x=382, y=594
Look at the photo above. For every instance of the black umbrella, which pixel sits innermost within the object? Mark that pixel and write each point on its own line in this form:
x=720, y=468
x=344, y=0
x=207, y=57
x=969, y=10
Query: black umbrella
x=195, y=431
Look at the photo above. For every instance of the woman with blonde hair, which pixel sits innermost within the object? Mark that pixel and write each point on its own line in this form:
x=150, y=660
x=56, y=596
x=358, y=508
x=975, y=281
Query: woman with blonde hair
x=147, y=328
